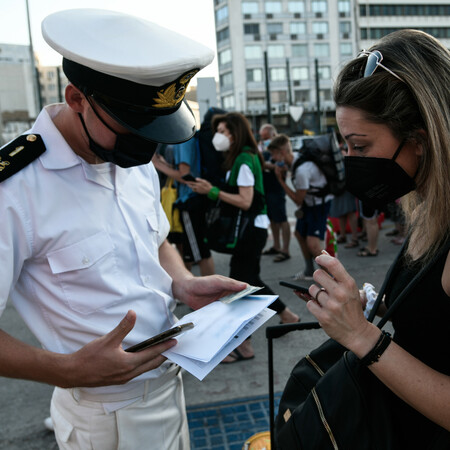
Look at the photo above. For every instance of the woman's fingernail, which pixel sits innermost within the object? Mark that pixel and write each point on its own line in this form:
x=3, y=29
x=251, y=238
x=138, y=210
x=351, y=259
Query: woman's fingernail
x=324, y=252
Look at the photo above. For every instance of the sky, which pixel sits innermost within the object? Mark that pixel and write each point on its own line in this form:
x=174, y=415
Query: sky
x=194, y=19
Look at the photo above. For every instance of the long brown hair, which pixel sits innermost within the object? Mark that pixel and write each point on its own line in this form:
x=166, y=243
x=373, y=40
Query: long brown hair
x=418, y=109
x=240, y=129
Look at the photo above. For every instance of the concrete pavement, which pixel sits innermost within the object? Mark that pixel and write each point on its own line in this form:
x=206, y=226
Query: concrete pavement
x=25, y=405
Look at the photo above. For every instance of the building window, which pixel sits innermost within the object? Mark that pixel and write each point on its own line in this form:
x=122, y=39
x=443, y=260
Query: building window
x=319, y=6
x=321, y=50
x=251, y=28
x=324, y=73
x=346, y=49
x=320, y=27
x=275, y=51
x=300, y=73
x=274, y=28
x=297, y=28
x=224, y=57
x=278, y=74
x=301, y=96
x=299, y=50
x=296, y=7
x=256, y=103
x=254, y=75
x=50, y=75
x=345, y=29
x=253, y=52
x=228, y=102
x=250, y=8
x=278, y=96
x=223, y=35
x=344, y=8
x=272, y=7
x=226, y=80
x=221, y=14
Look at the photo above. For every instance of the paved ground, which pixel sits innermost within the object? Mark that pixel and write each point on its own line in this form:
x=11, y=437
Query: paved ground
x=230, y=404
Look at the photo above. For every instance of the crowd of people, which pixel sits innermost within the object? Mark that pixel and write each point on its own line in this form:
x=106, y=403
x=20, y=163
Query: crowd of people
x=85, y=256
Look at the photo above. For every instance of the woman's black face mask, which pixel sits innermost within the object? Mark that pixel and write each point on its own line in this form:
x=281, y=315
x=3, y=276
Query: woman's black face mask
x=129, y=150
x=377, y=181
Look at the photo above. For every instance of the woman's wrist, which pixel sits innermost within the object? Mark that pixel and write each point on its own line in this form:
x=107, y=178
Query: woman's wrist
x=365, y=341
x=213, y=193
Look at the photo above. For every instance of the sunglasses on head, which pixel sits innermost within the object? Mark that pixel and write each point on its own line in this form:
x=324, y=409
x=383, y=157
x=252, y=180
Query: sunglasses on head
x=374, y=59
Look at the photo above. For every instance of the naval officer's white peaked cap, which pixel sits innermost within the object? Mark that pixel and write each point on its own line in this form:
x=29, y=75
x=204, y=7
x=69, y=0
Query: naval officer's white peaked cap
x=136, y=70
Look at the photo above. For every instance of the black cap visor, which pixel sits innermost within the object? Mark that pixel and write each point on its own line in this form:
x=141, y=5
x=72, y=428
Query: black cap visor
x=173, y=128
x=156, y=113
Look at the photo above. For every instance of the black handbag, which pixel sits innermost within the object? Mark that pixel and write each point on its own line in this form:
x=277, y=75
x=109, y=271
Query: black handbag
x=226, y=224
x=333, y=402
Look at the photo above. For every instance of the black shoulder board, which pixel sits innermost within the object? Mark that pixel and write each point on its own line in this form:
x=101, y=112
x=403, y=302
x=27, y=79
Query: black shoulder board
x=19, y=153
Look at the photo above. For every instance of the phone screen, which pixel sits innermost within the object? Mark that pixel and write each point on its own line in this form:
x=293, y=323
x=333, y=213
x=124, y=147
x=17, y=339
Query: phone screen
x=161, y=337
x=296, y=287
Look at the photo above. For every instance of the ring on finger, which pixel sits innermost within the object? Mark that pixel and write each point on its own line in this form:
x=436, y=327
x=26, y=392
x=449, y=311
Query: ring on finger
x=316, y=297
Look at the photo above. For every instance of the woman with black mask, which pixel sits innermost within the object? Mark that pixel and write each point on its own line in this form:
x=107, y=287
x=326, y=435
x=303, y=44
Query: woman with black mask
x=393, y=111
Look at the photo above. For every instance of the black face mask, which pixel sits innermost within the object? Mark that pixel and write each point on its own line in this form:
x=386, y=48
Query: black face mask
x=129, y=150
x=377, y=181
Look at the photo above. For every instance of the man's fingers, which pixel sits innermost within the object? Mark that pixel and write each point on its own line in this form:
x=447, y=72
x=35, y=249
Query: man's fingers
x=118, y=334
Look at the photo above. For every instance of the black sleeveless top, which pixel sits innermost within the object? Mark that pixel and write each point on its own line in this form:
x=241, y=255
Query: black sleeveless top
x=422, y=328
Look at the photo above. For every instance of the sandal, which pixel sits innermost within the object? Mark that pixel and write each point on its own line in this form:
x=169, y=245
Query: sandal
x=341, y=240
x=352, y=244
x=281, y=257
x=271, y=251
x=366, y=252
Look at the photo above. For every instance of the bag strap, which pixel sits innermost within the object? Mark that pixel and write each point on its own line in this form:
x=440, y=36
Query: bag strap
x=443, y=249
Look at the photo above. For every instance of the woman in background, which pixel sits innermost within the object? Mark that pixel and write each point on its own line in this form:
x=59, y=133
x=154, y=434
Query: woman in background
x=244, y=164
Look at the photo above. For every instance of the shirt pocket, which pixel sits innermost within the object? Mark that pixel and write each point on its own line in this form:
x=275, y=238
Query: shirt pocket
x=87, y=273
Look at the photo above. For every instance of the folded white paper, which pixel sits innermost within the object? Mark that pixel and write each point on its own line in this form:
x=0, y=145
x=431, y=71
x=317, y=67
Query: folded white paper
x=219, y=328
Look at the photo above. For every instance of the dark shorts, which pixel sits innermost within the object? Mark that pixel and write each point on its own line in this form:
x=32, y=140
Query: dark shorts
x=367, y=211
x=276, y=207
x=194, y=235
x=314, y=220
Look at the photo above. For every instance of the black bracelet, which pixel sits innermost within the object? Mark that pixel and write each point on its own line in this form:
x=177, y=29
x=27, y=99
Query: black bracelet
x=379, y=348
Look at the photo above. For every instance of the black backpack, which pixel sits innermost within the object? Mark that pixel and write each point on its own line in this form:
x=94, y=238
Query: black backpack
x=324, y=151
x=211, y=160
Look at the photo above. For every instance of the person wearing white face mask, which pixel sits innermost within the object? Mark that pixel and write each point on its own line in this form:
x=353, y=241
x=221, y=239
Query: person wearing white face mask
x=245, y=183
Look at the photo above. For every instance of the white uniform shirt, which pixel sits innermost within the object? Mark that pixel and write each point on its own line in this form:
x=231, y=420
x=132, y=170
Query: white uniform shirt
x=79, y=248
x=308, y=175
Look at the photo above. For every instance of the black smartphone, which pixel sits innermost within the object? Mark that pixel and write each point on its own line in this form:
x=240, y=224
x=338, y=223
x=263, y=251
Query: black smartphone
x=161, y=337
x=188, y=177
x=296, y=287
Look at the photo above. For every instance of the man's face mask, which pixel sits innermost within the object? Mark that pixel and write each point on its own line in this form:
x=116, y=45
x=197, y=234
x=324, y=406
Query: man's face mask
x=221, y=142
x=377, y=181
x=129, y=150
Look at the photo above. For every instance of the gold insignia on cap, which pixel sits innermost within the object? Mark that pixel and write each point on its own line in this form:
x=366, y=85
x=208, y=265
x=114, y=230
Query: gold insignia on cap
x=173, y=94
x=17, y=150
x=31, y=137
x=3, y=164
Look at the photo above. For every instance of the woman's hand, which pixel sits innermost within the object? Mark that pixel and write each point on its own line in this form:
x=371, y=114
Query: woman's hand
x=200, y=186
x=337, y=304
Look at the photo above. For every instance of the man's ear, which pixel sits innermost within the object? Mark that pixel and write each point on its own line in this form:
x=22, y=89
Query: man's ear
x=75, y=98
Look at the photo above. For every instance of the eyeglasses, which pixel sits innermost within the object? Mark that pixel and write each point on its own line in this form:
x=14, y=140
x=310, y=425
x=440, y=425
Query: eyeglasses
x=373, y=61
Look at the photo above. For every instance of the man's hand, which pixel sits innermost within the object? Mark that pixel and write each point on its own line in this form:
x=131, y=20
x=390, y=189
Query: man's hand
x=197, y=292
x=104, y=362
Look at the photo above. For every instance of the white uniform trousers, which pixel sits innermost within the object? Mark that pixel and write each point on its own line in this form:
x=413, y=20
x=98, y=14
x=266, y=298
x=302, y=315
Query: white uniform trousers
x=155, y=421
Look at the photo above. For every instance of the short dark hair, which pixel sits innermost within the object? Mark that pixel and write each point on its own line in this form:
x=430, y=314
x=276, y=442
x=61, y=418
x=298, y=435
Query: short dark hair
x=277, y=142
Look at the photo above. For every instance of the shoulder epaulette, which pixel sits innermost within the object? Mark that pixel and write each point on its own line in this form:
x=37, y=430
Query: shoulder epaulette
x=19, y=153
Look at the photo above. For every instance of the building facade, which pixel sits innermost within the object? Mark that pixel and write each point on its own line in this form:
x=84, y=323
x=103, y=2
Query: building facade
x=302, y=44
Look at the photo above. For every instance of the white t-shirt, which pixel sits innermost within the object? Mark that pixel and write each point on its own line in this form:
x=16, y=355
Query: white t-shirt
x=307, y=176
x=246, y=178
